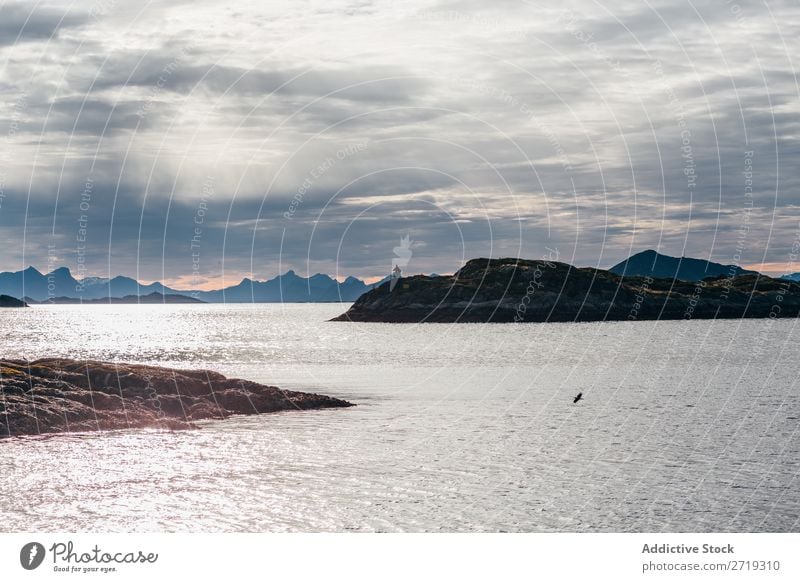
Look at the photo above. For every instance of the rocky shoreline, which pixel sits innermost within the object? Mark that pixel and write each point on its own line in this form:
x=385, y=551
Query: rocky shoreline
x=519, y=290
x=8, y=301
x=61, y=395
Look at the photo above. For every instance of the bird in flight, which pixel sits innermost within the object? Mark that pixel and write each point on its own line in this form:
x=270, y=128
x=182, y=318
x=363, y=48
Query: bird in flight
x=578, y=397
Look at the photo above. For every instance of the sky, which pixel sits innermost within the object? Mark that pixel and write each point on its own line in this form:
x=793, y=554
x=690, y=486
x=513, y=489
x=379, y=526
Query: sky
x=197, y=143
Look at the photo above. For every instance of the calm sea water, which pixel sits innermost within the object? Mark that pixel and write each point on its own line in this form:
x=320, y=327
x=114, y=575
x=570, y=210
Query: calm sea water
x=685, y=426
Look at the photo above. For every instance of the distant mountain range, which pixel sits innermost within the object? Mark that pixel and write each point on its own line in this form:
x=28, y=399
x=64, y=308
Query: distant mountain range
x=287, y=288
x=60, y=286
x=652, y=264
x=792, y=277
x=154, y=297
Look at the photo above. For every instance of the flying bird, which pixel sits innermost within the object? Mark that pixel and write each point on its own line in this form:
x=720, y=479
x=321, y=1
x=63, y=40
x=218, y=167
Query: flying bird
x=578, y=397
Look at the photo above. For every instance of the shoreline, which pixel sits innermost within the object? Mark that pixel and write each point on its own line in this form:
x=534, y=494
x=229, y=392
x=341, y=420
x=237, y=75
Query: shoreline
x=57, y=395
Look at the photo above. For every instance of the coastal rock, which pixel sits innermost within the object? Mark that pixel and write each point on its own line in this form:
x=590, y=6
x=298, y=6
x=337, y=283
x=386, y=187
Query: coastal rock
x=60, y=395
x=8, y=301
x=519, y=290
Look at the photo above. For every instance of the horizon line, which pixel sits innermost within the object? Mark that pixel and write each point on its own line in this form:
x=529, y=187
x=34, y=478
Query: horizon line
x=772, y=269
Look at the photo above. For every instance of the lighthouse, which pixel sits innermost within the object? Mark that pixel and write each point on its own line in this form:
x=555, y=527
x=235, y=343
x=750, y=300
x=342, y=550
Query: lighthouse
x=396, y=273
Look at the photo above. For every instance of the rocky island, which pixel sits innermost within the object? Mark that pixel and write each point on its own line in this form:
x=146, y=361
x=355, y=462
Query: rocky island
x=520, y=290
x=60, y=395
x=8, y=301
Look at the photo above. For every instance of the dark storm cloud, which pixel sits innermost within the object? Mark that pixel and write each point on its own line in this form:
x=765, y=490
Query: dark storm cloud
x=646, y=22
x=727, y=84
x=21, y=22
x=256, y=235
x=82, y=116
x=181, y=74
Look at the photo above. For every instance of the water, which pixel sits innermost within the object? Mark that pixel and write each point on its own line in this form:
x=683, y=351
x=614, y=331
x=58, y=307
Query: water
x=685, y=426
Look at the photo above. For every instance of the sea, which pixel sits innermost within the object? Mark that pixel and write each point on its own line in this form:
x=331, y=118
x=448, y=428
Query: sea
x=683, y=426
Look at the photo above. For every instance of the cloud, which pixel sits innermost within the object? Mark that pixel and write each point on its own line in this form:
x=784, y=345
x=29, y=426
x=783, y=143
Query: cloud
x=22, y=22
x=485, y=130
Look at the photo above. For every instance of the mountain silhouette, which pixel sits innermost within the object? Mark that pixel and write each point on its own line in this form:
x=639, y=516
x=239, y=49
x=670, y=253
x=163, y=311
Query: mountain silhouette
x=287, y=288
x=653, y=264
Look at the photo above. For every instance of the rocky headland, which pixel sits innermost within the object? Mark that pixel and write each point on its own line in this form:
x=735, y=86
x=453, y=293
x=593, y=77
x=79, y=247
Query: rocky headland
x=519, y=290
x=8, y=301
x=60, y=395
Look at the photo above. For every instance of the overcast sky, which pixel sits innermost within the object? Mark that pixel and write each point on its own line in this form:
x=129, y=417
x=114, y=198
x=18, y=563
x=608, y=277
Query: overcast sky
x=314, y=135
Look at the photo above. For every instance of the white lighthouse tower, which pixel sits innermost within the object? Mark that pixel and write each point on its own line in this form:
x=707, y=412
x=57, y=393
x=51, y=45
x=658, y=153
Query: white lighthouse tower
x=396, y=274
